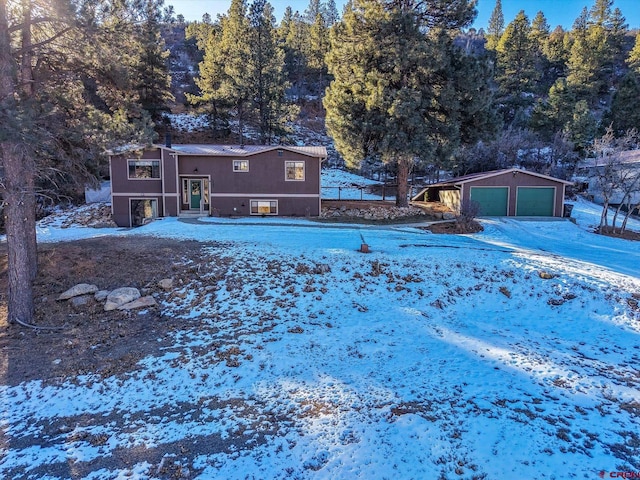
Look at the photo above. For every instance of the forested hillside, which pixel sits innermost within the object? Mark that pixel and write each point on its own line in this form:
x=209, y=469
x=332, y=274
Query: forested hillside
x=413, y=75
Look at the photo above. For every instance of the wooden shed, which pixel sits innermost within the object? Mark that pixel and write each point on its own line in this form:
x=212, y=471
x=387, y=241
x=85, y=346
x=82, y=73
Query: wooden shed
x=510, y=192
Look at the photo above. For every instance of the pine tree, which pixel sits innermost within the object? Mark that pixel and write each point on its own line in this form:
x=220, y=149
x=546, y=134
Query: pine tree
x=388, y=94
x=540, y=33
x=550, y=116
x=496, y=26
x=318, y=48
x=596, y=49
x=153, y=81
x=296, y=50
x=331, y=13
x=634, y=56
x=266, y=69
x=314, y=9
x=556, y=51
x=624, y=114
x=58, y=84
x=516, y=68
x=582, y=63
x=581, y=128
x=242, y=72
x=224, y=81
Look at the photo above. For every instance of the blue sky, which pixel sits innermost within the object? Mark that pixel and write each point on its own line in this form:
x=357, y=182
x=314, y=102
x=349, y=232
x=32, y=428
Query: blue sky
x=558, y=12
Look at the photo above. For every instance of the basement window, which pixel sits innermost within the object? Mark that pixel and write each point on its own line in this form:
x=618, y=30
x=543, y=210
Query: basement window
x=143, y=211
x=264, y=207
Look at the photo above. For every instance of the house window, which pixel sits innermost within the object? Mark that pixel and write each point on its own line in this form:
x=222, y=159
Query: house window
x=264, y=207
x=144, y=169
x=143, y=211
x=294, y=171
x=241, y=165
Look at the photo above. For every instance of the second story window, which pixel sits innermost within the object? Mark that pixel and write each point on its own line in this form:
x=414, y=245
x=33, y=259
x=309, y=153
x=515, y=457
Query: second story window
x=294, y=171
x=241, y=165
x=144, y=169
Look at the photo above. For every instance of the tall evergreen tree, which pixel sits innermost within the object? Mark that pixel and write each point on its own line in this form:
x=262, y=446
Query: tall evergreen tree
x=224, y=80
x=387, y=98
x=540, y=32
x=634, y=56
x=556, y=51
x=242, y=72
x=597, y=46
x=267, y=72
x=318, y=48
x=296, y=49
x=331, y=13
x=57, y=85
x=581, y=128
x=496, y=26
x=551, y=115
x=516, y=67
x=624, y=114
x=152, y=78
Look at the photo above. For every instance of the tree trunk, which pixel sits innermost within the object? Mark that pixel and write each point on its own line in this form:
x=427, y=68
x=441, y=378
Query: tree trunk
x=628, y=213
x=18, y=194
x=28, y=90
x=19, y=228
x=404, y=170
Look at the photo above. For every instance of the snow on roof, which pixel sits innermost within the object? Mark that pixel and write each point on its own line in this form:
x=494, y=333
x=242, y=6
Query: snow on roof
x=626, y=158
x=244, y=150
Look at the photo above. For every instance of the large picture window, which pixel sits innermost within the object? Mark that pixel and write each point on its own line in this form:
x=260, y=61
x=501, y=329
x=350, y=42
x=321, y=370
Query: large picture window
x=264, y=207
x=241, y=165
x=144, y=169
x=294, y=171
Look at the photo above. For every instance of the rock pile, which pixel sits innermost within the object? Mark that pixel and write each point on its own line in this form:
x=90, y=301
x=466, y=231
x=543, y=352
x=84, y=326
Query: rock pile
x=373, y=213
x=95, y=215
x=124, y=298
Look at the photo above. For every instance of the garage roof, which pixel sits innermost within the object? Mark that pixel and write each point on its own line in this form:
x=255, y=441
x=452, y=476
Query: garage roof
x=473, y=177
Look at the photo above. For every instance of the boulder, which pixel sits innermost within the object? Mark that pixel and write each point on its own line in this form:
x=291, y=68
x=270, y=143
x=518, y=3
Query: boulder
x=80, y=301
x=448, y=216
x=121, y=296
x=141, y=302
x=166, y=284
x=76, y=291
x=101, y=295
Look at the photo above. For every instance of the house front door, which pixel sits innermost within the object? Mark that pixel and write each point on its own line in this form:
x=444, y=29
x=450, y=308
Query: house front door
x=195, y=195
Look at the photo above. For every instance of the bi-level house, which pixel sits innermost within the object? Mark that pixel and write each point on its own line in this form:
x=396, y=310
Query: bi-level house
x=225, y=180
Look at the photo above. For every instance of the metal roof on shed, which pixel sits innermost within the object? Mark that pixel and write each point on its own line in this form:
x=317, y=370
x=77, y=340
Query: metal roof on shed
x=473, y=177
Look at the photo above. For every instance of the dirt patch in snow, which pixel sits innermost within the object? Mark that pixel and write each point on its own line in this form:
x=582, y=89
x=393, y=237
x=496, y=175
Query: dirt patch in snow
x=627, y=234
x=90, y=340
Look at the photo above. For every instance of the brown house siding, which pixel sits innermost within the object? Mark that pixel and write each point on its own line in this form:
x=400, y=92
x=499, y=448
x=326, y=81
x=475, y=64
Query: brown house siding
x=223, y=191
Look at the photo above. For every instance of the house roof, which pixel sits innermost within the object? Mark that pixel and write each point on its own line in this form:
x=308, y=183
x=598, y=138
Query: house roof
x=224, y=150
x=472, y=177
x=243, y=151
x=628, y=157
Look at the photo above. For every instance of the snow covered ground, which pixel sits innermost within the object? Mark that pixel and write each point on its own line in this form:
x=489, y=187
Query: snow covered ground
x=340, y=184
x=434, y=356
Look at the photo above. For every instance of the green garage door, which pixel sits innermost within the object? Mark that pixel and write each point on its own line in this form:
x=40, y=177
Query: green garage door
x=535, y=202
x=491, y=200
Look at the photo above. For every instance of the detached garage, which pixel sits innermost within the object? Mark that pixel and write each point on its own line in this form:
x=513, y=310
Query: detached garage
x=511, y=192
